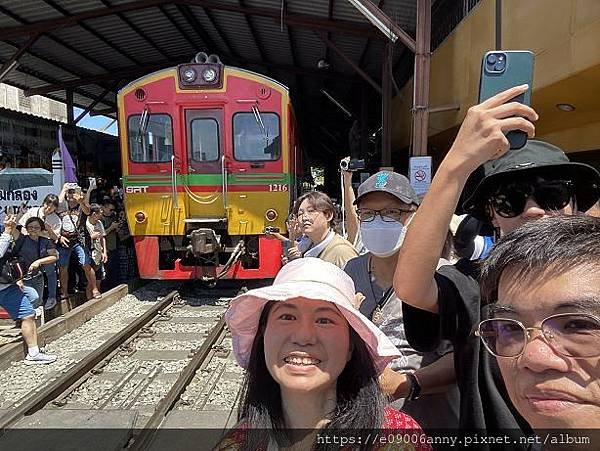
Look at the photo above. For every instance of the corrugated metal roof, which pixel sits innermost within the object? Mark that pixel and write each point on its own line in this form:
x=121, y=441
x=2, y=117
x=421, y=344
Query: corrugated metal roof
x=245, y=33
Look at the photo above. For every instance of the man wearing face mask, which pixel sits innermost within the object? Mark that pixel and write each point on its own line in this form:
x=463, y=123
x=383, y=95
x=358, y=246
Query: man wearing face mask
x=425, y=381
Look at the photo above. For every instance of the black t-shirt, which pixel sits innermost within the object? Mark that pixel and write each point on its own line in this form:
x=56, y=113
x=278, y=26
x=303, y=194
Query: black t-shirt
x=484, y=403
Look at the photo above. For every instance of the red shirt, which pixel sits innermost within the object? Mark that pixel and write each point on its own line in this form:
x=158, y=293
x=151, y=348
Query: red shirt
x=400, y=432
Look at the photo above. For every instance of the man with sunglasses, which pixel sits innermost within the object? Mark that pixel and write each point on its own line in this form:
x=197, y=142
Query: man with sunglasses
x=424, y=381
x=541, y=285
x=511, y=187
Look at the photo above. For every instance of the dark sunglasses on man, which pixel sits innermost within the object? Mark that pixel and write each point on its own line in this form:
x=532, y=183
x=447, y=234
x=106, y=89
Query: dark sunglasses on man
x=509, y=201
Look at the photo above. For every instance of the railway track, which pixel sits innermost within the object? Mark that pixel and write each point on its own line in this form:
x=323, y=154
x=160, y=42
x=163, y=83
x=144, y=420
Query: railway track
x=174, y=357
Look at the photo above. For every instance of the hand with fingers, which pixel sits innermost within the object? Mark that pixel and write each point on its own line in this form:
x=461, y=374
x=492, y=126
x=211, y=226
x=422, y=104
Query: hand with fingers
x=294, y=229
x=293, y=253
x=482, y=135
x=10, y=222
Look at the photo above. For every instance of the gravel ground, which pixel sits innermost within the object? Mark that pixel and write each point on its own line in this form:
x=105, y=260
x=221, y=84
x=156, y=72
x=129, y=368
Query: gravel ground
x=121, y=364
x=179, y=328
x=96, y=391
x=140, y=393
x=216, y=387
x=206, y=312
x=23, y=379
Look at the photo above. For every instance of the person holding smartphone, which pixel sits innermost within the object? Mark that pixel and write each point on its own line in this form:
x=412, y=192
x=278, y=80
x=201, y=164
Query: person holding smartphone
x=507, y=188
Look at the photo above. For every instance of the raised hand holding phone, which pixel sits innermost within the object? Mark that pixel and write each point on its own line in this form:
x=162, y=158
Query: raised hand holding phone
x=501, y=70
x=482, y=135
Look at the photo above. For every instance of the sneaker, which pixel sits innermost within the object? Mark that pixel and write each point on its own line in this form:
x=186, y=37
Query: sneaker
x=39, y=359
x=50, y=304
x=38, y=312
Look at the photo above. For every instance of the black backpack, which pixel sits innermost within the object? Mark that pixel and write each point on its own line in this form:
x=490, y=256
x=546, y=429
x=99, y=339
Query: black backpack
x=11, y=265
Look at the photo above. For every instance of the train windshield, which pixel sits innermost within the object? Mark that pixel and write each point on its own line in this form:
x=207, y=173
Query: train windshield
x=155, y=143
x=205, y=139
x=256, y=141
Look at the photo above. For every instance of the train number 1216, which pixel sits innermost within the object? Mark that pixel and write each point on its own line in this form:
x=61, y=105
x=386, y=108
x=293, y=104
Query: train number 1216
x=277, y=187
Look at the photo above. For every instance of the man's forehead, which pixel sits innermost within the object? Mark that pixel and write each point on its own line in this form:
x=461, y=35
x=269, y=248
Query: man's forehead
x=381, y=197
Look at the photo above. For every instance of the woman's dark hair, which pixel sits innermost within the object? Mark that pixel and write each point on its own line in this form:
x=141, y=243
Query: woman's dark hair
x=51, y=199
x=320, y=202
x=35, y=219
x=95, y=208
x=360, y=402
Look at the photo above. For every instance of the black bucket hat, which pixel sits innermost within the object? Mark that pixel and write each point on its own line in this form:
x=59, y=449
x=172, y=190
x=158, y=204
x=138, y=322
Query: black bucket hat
x=536, y=157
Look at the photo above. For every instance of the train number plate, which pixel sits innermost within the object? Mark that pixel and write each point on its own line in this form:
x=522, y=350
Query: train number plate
x=277, y=187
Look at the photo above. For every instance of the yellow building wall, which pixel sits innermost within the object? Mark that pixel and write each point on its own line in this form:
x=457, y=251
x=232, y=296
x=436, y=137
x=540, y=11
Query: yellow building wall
x=563, y=34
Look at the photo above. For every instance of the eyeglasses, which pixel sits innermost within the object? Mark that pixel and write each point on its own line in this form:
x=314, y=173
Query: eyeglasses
x=574, y=335
x=387, y=214
x=308, y=213
x=509, y=201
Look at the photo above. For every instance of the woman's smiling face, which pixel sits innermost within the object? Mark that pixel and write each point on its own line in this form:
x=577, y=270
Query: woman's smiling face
x=307, y=345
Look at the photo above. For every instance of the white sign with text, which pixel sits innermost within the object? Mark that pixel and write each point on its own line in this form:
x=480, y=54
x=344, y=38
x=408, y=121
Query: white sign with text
x=420, y=174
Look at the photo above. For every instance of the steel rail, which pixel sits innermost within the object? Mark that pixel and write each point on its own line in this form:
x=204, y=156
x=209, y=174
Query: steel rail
x=57, y=387
x=143, y=440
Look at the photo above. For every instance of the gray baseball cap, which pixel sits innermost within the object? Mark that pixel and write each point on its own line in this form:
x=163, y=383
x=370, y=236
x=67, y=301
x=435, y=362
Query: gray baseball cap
x=388, y=182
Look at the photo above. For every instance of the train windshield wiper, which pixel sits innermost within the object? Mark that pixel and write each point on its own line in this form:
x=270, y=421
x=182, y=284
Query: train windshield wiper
x=260, y=122
x=143, y=126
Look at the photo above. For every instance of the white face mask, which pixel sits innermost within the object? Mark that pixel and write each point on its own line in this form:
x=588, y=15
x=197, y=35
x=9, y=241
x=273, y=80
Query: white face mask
x=382, y=238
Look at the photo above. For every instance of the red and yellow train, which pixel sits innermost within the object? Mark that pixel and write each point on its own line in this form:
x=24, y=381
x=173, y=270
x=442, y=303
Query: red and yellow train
x=211, y=162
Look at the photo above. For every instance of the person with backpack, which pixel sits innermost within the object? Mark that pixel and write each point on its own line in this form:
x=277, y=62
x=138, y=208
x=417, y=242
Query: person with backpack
x=73, y=209
x=15, y=301
x=51, y=230
x=36, y=251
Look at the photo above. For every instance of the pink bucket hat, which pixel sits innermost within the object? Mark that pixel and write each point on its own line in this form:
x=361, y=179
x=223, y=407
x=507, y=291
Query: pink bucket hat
x=310, y=278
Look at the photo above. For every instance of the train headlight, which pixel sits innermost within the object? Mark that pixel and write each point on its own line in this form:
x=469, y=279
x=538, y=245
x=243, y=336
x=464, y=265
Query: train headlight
x=209, y=75
x=140, y=217
x=189, y=75
x=271, y=215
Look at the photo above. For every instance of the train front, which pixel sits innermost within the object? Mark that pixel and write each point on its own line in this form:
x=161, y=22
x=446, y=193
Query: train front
x=209, y=158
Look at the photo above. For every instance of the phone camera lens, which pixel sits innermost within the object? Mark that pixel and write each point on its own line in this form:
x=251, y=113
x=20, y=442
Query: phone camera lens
x=491, y=59
x=500, y=65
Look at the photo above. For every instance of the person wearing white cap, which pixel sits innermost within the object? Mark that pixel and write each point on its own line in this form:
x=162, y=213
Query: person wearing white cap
x=312, y=361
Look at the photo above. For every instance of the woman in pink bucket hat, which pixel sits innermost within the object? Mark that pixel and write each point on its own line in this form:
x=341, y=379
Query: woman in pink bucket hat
x=312, y=362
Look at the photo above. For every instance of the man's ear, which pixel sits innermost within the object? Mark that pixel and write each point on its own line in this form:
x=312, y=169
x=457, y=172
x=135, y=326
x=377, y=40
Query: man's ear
x=329, y=216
